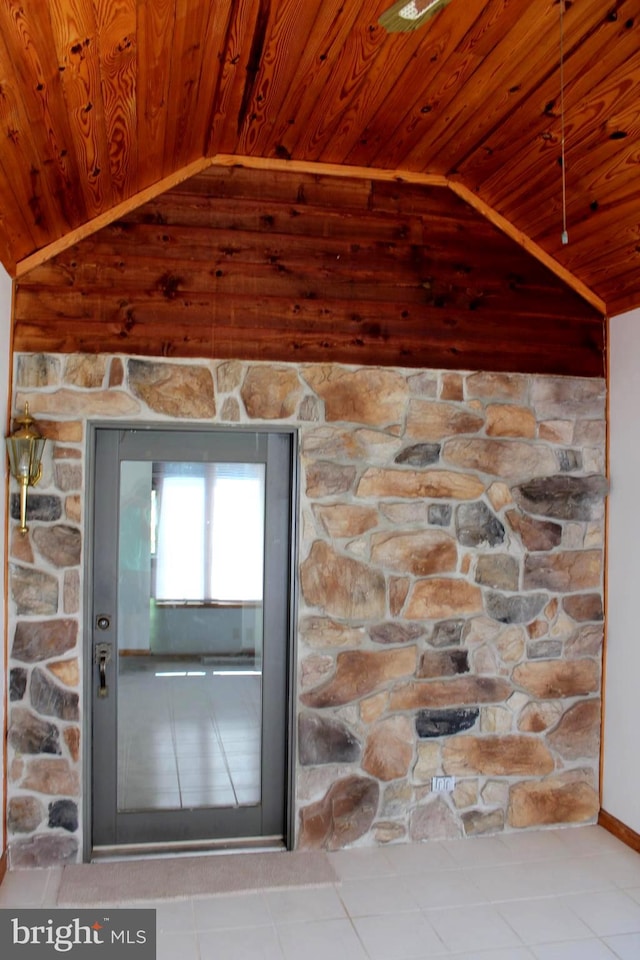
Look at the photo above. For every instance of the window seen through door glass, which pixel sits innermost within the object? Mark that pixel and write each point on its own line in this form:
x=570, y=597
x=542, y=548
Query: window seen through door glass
x=207, y=532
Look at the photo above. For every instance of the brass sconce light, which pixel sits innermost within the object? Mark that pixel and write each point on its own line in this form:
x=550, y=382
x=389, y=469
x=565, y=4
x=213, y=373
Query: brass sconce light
x=25, y=447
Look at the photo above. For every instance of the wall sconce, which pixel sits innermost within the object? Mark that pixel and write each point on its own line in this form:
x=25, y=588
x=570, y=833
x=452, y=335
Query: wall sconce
x=25, y=447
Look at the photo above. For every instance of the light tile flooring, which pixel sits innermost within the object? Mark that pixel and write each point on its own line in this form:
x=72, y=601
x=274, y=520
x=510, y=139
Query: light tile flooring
x=188, y=735
x=570, y=894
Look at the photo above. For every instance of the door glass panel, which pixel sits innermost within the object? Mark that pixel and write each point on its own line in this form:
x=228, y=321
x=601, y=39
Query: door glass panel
x=190, y=634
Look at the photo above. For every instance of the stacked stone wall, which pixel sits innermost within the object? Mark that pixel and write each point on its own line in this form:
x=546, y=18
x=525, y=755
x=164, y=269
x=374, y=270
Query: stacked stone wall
x=449, y=591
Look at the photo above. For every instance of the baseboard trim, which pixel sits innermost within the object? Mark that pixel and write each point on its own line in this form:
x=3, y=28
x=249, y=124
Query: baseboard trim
x=619, y=830
x=3, y=866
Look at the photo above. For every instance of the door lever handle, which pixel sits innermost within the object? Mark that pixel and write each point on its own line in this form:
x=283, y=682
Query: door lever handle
x=102, y=658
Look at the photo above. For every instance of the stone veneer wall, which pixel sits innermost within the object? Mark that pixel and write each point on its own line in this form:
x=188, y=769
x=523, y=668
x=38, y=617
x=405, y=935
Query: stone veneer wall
x=450, y=591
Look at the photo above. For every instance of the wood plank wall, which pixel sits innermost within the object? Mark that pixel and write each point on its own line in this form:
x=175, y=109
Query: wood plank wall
x=260, y=264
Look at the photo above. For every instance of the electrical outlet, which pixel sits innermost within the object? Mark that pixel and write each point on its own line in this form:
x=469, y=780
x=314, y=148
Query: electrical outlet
x=443, y=784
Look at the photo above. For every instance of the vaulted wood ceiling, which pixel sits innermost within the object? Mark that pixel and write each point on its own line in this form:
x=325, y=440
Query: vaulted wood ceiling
x=104, y=103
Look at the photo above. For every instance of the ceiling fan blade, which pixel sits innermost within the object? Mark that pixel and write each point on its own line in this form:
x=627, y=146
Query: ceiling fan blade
x=410, y=14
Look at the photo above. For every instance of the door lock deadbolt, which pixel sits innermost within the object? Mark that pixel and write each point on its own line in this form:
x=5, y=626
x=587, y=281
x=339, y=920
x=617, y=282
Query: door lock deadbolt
x=103, y=622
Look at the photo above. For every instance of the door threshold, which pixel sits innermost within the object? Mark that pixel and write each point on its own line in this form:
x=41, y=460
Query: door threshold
x=186, y=848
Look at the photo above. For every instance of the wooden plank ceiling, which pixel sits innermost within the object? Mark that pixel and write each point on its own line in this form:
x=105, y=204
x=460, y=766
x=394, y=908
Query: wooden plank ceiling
x=104, y=102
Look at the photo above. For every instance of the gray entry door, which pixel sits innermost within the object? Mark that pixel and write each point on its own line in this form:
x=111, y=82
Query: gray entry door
x=190, y=616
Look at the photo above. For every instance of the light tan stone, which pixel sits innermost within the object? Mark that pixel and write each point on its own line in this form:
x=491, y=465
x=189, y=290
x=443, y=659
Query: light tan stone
x=68, y=671
x=346, y=520
x=484, y=662
x=458, y=692
x=536, y=804
x=16, y=769
x=321, y=632
x=481, y=630
x=369, y=395
x=68, y=476
x=481, y=822
x=496, y=756
x=429, y=420
x=229, y=375
x=465, y=563
x=508, y=420
x=442, y=597
x=84, y=370
x=537, y=629
x=511, y=644
x=556, y=431
x=376, y=447
x=496, y=386
x=537, y=717
x=230, y=412
x=586, y=641
x=429, y=762
x=578, y=733
x=389, y=749
x=451, y=386
x=373, y=707
x=342, y=586
x=495, y=720
x=359, y=673
x=387, y=831
x=566, y=571
x=465, y=794
x=424, y=384
x=176, y=390
x=397, y=798
x=421, y=553
x=418, y=484
x=398, y=590
x=406, y=514
x=73, y=403
x=37, y=370
x=499, y=495
x=52, y=776
x=331, y=443
x=73, y=507
x=508, y=459
x=550, y=679
x=495, y=793
x=314, y=669
x=66, y=453
x=271, y=393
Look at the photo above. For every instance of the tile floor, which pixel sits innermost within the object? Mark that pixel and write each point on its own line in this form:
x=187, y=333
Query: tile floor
x=188, y=735
x=570, y=894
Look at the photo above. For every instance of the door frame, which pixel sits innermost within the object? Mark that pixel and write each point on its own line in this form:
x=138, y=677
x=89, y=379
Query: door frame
x=92, y=426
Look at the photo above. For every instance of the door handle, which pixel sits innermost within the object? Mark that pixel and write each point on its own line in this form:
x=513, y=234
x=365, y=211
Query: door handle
x=102, y=656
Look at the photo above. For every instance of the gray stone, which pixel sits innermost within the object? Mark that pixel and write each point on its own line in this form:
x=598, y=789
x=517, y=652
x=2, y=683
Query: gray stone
x=37, y=370
x=63, y=813
x=17, y=683
x=497, y=570
x=24, y=814
x=476, y=525
x=478, y=822
x=439, y=514
x=563, y=572
x=445, y=723
x=34, y=641
x=309, y=410
x=568, y=397
x=50, y=699
x=443, y=663
x=60, y=545
x=31, y=734
x=420, y=454
x=521, y=608
x=40, y=506
x=563, y=498
x=43, y=850
x=569, y=460
x=33, y=591
x=447, y=633
x=68, y=475
x=343, y=816
x=544, y=649
x=396, y=632
x=322, y=740
x=177, y=390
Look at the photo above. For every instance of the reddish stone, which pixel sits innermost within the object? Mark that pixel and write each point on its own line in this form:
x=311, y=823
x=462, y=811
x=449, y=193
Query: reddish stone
x=440, y=597
x=341, y=817
x=535, y=534
x=578, y=733
x=419, y=484
x=342, y=586
x=582, y=607
x=565, y=571
x=550, y=679
x=421, y=553
x=555, y=800
x=497, y=756
x=360, y=672
x=462, y=691
x=389, y=749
